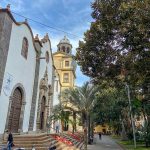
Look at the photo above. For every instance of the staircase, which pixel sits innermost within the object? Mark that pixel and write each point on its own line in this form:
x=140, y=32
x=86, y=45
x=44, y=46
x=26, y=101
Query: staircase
x=75, y=142
x=41, y=142
x=1, y=142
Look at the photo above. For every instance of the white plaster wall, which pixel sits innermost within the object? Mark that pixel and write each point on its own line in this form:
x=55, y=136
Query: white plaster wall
x=43, y=64
x=21, y=70
x=56, y=100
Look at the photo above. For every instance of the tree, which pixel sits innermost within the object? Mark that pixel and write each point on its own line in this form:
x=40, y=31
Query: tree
x=112, y=109
x=117, y=41
x=82, y=98
x=118, y=44
x=59, y=114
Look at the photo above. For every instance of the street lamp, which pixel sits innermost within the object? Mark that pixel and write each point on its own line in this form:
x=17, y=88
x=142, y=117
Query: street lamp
x=132, y=121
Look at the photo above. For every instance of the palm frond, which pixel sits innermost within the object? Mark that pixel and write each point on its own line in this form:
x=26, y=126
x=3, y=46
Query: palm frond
x=82, y=98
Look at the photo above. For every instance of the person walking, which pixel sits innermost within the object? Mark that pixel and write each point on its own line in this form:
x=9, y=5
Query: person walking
x=9, y=141
x=100, y=135
x=57, y=127
x=91, y=139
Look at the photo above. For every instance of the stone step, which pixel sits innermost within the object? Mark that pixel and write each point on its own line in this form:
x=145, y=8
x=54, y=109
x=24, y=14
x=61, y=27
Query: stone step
x=30, y=139
x=42, y=142
x=28, y=136
x=76, y=142
x=80, y=146
x=59, y=146
x=33, y=142
x=37, y=146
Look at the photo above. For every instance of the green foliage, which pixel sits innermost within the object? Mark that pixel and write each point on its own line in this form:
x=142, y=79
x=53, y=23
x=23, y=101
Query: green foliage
x=58, y=114
x=117, y=42
x=81, y=99
x=109, y=105
x=116, y=49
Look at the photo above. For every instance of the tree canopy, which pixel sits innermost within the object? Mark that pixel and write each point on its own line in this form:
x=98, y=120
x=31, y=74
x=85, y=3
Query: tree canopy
x=116, y=49
x=118, y=41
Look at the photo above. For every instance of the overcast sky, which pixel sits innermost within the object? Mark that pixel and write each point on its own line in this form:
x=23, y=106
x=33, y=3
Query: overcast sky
x=73, y=16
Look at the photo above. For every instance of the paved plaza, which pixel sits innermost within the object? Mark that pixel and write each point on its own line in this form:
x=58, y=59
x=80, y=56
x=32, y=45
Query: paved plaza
x=106, y=143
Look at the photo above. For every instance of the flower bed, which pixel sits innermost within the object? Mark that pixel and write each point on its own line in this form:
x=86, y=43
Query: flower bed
x=63, y=140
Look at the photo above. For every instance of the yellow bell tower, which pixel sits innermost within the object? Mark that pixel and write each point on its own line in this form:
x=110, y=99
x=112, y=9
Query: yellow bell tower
x=66, y=67
x=64, y=63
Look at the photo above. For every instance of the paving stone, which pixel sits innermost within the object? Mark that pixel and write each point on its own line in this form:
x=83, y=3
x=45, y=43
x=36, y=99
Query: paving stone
x=106, y=143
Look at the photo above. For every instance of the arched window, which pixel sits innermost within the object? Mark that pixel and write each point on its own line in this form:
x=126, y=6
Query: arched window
x=66, y=63
x=68, y=50
x=63, y=48
x=24, y=51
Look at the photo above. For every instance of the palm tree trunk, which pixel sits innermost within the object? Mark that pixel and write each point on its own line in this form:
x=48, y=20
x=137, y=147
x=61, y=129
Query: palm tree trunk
x=85, y=135
x=92, y=127
x=123, y=133
x=74, y=122
x=84, y=117
x=89, y=127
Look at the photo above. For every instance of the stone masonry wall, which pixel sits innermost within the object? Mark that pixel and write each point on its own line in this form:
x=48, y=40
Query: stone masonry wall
x=5, y=33
x=35, y=88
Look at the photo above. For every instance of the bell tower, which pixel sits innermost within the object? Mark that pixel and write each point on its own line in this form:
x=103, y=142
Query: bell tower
x=66, y=68
x=65, y=64
x=64, y=46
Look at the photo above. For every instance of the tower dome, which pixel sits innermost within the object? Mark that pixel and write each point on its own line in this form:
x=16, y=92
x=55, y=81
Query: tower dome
x=64, y=40
x=64, y=45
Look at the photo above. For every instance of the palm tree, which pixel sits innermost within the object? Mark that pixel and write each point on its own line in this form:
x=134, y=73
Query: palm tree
x=58, y=114
x=83, y=99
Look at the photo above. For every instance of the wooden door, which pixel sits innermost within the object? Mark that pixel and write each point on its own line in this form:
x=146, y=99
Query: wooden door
x=14, y=117
x=42, y=114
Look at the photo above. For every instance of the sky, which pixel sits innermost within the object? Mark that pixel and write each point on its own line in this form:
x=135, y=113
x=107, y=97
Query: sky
x=72, y=16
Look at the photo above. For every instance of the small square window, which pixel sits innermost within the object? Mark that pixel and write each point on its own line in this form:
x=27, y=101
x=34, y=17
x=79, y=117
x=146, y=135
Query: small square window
x=66, y=63
x=66, y=78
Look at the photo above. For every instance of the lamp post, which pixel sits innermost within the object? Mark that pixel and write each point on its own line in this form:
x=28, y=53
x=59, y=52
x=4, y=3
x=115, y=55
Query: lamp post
x=130, y=107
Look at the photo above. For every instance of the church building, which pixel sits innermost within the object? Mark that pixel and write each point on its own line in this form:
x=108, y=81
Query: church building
x=29, y=81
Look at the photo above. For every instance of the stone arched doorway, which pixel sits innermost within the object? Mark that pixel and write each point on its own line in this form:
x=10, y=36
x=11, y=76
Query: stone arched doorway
x=15, y=110
x=66, y=122
x=43, y=103
x=42, y=113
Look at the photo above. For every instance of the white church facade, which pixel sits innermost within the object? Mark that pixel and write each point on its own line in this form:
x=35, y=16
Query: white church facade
x=29, y=82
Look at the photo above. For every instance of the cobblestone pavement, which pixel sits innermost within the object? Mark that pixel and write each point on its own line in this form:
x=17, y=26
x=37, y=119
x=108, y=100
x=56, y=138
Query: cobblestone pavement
x=106, y=143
